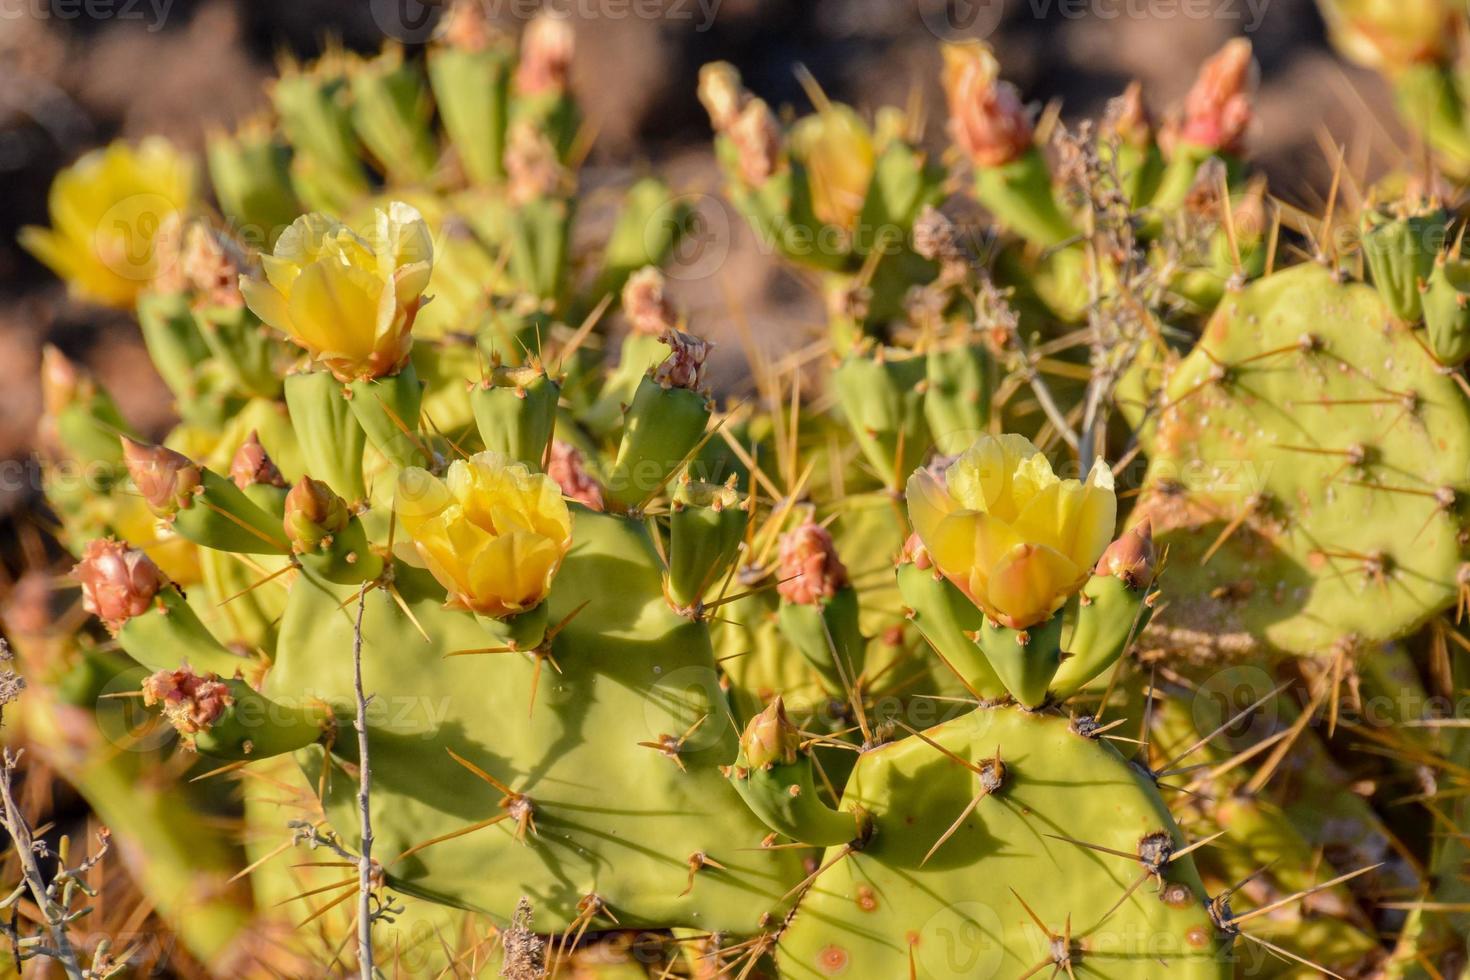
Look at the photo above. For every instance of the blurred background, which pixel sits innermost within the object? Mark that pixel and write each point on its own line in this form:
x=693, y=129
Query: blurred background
x=77, y=73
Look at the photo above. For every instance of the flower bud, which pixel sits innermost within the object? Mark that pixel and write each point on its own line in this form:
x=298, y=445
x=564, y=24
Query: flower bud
x=313, y=514
x=118, y=581
x=466, y=28
x=166, y=480
x=810, y=571
x=757, y=139
x=1131, y=557
x=647, y=308
x=986, y=116
x=684, y=367
x=252, y=465
x=568, y=470
x=62, y=383
x=1127, y=117
x=1217, y=109
x=191, y=702
x=721, y=93
x=531, y=166
x=547, y=47
x=770, y=738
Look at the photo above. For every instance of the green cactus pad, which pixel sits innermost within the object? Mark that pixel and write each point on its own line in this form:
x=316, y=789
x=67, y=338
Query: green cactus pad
x=884, y=911
x=1333, y=449
x=612, y=817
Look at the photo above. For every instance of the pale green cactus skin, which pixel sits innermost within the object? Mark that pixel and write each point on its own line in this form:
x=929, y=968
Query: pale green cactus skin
x=1341, y=448
x=884, y=910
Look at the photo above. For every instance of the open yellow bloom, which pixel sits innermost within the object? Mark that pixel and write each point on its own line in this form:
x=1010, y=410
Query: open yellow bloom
x=839, y=155
x=348, y=300
x=1008, y=532
x=492, y=532
x=106, y=212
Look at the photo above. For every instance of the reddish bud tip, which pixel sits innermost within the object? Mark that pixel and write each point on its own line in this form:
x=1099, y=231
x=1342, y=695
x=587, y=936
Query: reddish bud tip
x=191, y=702
x=118, y=581
x=1217, y=110
x=770, y=738
x=313, y=514
x=986, y=116
x=547, y=47
x=684, y=367
x=1131, y=557
x=253, y=465
x=647, y=308
x=567, y=469
x=167, y=480
x=809, y=570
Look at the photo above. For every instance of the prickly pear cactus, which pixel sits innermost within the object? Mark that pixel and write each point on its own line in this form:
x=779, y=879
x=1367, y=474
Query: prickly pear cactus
x=1307, y=473
x=1004, y=842
x=586, y=737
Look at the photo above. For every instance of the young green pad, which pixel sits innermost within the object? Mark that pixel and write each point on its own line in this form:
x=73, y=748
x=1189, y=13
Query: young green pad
x=1000, y=895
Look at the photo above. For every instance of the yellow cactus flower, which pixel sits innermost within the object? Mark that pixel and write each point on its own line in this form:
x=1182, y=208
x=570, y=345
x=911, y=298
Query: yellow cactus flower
x=839, y=155
x=106, y=212
x=1390, y=35
x=1008, y=532
x=349, y=300
x=492, y=532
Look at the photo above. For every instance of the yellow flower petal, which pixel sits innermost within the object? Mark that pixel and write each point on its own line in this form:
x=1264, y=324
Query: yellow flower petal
x=1030, y=583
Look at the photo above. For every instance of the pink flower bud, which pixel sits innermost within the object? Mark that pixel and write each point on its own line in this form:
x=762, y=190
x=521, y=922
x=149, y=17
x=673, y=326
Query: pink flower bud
x=1217, y=109
x=810, y=571
x=684, y=367
x=191, y=702
x=253, y=465
x=648, y=310
x=547, y=46
x=118, y=581
x=313, y=514
x=62, y=383
x=567, y=470
x=757, y=139
x=1131, y=557
x=987, y=118
x=167, y=480
x=531, y=168
x=770, y=738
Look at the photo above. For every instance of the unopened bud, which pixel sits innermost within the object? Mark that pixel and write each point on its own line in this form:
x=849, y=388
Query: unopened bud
x=757, y=139
x=987, y=118
x=810, y=571
x=770, y=738
x=166, y=480
x=313, y=514
x=253, y=465
x=1131, y=557
x=721, y=93
x=547, y=47
x=647, y=308
x=1127, y=117
x=467, y=28
x=531, y=167
x=61, y=382
x=191, y=702
x=684, y=367
x=569, y=472
x=118, y=581
x=1217, y=109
